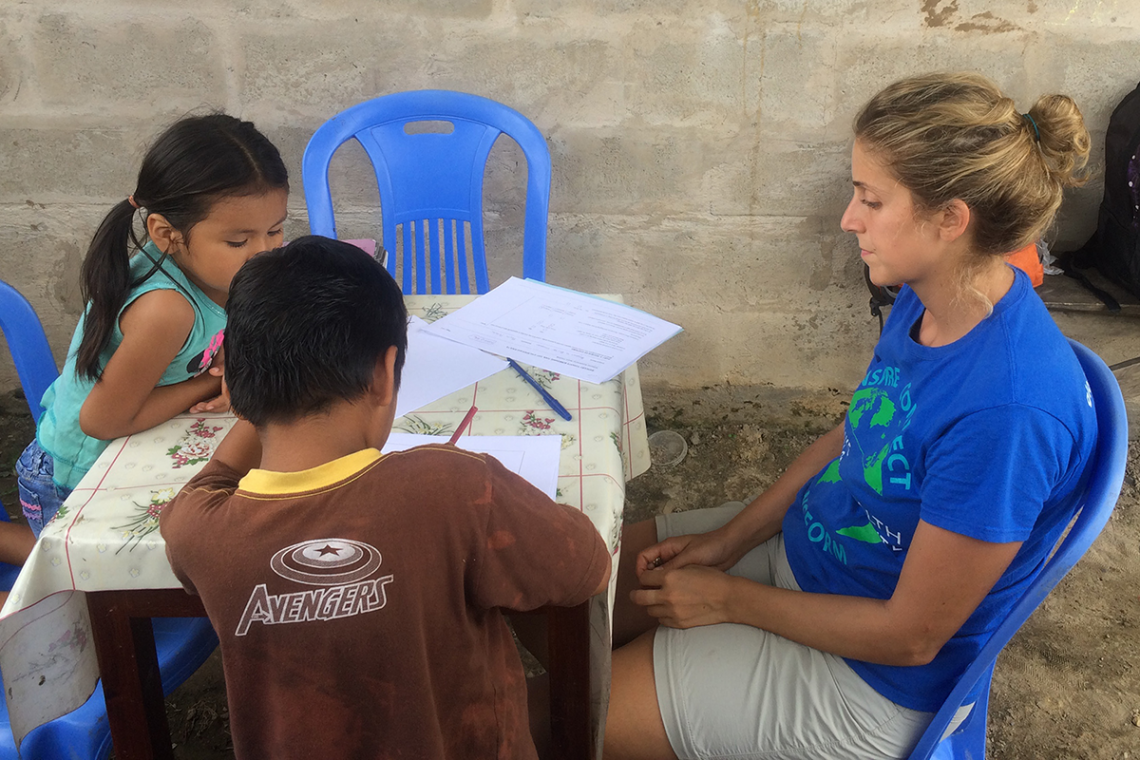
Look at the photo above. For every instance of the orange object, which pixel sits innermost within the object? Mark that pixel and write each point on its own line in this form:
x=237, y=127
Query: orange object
x=1027, y=260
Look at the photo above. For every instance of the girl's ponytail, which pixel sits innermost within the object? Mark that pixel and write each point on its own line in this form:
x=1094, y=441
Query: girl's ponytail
x=105, y=281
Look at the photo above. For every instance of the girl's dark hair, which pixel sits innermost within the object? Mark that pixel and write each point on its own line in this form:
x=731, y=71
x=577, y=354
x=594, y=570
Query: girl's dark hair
x=306, y=325
x=193, y=164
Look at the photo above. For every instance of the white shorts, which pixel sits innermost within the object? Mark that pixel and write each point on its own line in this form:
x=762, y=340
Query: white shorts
x=734, y=691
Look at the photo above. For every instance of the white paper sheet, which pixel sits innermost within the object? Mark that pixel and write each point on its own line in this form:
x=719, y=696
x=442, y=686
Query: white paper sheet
x=435, y=367
x=534, y=457
x=559, y=330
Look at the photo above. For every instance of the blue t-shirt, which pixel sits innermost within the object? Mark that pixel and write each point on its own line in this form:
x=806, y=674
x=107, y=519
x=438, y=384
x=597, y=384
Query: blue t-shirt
x=987, y=437
x=58, y=431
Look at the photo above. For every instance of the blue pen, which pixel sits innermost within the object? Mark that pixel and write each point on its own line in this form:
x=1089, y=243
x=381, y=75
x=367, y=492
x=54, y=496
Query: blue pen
x=550, y=400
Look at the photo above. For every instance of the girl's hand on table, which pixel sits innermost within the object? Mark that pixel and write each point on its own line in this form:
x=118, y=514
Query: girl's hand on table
x=686, y=597
x=221, y=402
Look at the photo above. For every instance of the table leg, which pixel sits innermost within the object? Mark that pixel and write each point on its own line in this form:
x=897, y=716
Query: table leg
x=128, y=666
x=568, y=642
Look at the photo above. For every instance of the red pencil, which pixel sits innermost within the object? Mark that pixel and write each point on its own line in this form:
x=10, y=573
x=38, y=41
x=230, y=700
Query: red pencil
x=463, y=425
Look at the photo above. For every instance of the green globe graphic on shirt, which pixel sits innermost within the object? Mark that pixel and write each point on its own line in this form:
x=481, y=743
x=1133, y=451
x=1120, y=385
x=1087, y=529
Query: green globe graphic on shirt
x=870, y=414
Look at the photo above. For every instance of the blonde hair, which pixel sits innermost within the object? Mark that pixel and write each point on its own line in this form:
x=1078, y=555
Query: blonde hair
x=954, y=135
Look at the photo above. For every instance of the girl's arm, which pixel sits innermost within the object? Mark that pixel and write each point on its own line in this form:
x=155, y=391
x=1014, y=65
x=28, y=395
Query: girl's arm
x=943, y=580
x=755, y=524
x=125, y=399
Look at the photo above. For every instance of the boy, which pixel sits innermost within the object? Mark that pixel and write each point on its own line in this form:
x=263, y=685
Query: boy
x=356, y=595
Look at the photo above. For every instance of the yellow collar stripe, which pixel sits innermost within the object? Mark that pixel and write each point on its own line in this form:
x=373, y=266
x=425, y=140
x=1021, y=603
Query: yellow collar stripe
x=274, y=483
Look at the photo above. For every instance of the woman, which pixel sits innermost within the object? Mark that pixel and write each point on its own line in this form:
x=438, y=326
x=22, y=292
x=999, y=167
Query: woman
x=831, y=616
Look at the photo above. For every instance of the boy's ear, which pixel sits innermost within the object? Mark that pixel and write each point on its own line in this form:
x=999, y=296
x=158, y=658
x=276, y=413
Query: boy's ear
x=163, y=233
x=384, y=378
x=226, y=393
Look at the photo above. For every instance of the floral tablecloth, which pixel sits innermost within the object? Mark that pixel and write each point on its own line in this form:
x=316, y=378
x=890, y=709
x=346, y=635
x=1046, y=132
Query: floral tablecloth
x=106, y=535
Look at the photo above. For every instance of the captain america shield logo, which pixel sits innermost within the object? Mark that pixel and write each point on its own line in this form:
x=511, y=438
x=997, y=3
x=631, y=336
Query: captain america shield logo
x=326, y=561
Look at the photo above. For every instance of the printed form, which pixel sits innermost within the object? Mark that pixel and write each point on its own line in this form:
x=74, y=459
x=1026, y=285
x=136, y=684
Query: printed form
x=559, y=330
x=534, y=457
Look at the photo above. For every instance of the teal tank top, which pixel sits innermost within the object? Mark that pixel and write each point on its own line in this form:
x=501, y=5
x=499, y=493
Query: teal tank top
x=58, y=432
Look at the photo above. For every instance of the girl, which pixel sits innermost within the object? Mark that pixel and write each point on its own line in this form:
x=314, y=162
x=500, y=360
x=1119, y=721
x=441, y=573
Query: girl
x=212, y=192
x=862, y=583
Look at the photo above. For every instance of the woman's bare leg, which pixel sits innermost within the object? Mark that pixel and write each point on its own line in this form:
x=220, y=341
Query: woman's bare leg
x=538, y=707
x=634, y=729
x=631, y=620
x=531, y=629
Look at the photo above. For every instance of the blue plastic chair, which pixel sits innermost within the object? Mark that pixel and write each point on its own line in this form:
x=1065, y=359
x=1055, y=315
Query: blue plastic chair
x=183, y=644
x=35, y=367
x=28, y=345
x=428, y=180
x=969, y=738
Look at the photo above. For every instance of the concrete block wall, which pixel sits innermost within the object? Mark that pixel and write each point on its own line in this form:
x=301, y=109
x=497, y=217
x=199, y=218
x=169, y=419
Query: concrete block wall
x=700, y=147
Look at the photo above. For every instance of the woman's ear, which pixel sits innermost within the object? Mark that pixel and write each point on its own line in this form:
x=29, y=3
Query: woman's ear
x=953, y=220
x=163, y=233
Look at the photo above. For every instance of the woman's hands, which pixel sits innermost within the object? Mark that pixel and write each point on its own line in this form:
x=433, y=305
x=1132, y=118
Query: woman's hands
x=715, y=549
x=685, y=597
x=683, y=579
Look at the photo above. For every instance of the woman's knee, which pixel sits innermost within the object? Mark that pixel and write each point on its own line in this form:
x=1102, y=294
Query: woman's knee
x=634, y=728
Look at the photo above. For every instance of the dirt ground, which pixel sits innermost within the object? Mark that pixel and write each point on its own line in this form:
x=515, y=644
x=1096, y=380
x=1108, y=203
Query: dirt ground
x=1066, y=688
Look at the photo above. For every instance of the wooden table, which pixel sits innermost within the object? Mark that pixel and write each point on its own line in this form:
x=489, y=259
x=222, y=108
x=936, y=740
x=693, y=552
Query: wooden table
x=132, y=687
x=99, y=570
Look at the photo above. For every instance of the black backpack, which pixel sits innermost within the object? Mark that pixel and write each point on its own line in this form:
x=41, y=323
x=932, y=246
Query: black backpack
x=1114, y=249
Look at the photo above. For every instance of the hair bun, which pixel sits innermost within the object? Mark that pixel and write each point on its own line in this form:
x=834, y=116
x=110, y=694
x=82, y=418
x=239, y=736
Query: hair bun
x=1065, y=141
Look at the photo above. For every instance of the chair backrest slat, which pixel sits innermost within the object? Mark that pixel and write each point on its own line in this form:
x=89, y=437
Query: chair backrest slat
x=450, y=264
x=421, y=272
x=437, y=257
x=461, y=259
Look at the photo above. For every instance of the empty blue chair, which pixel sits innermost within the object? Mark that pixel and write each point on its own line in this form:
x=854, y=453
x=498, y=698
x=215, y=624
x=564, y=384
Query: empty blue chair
x=969, y=739
x=183, y=644
x=431, y=183
x=28, y=345
x=34, y=365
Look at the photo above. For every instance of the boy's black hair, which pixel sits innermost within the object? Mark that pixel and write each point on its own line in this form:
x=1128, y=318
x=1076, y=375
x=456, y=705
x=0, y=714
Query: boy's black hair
x=306, y=324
